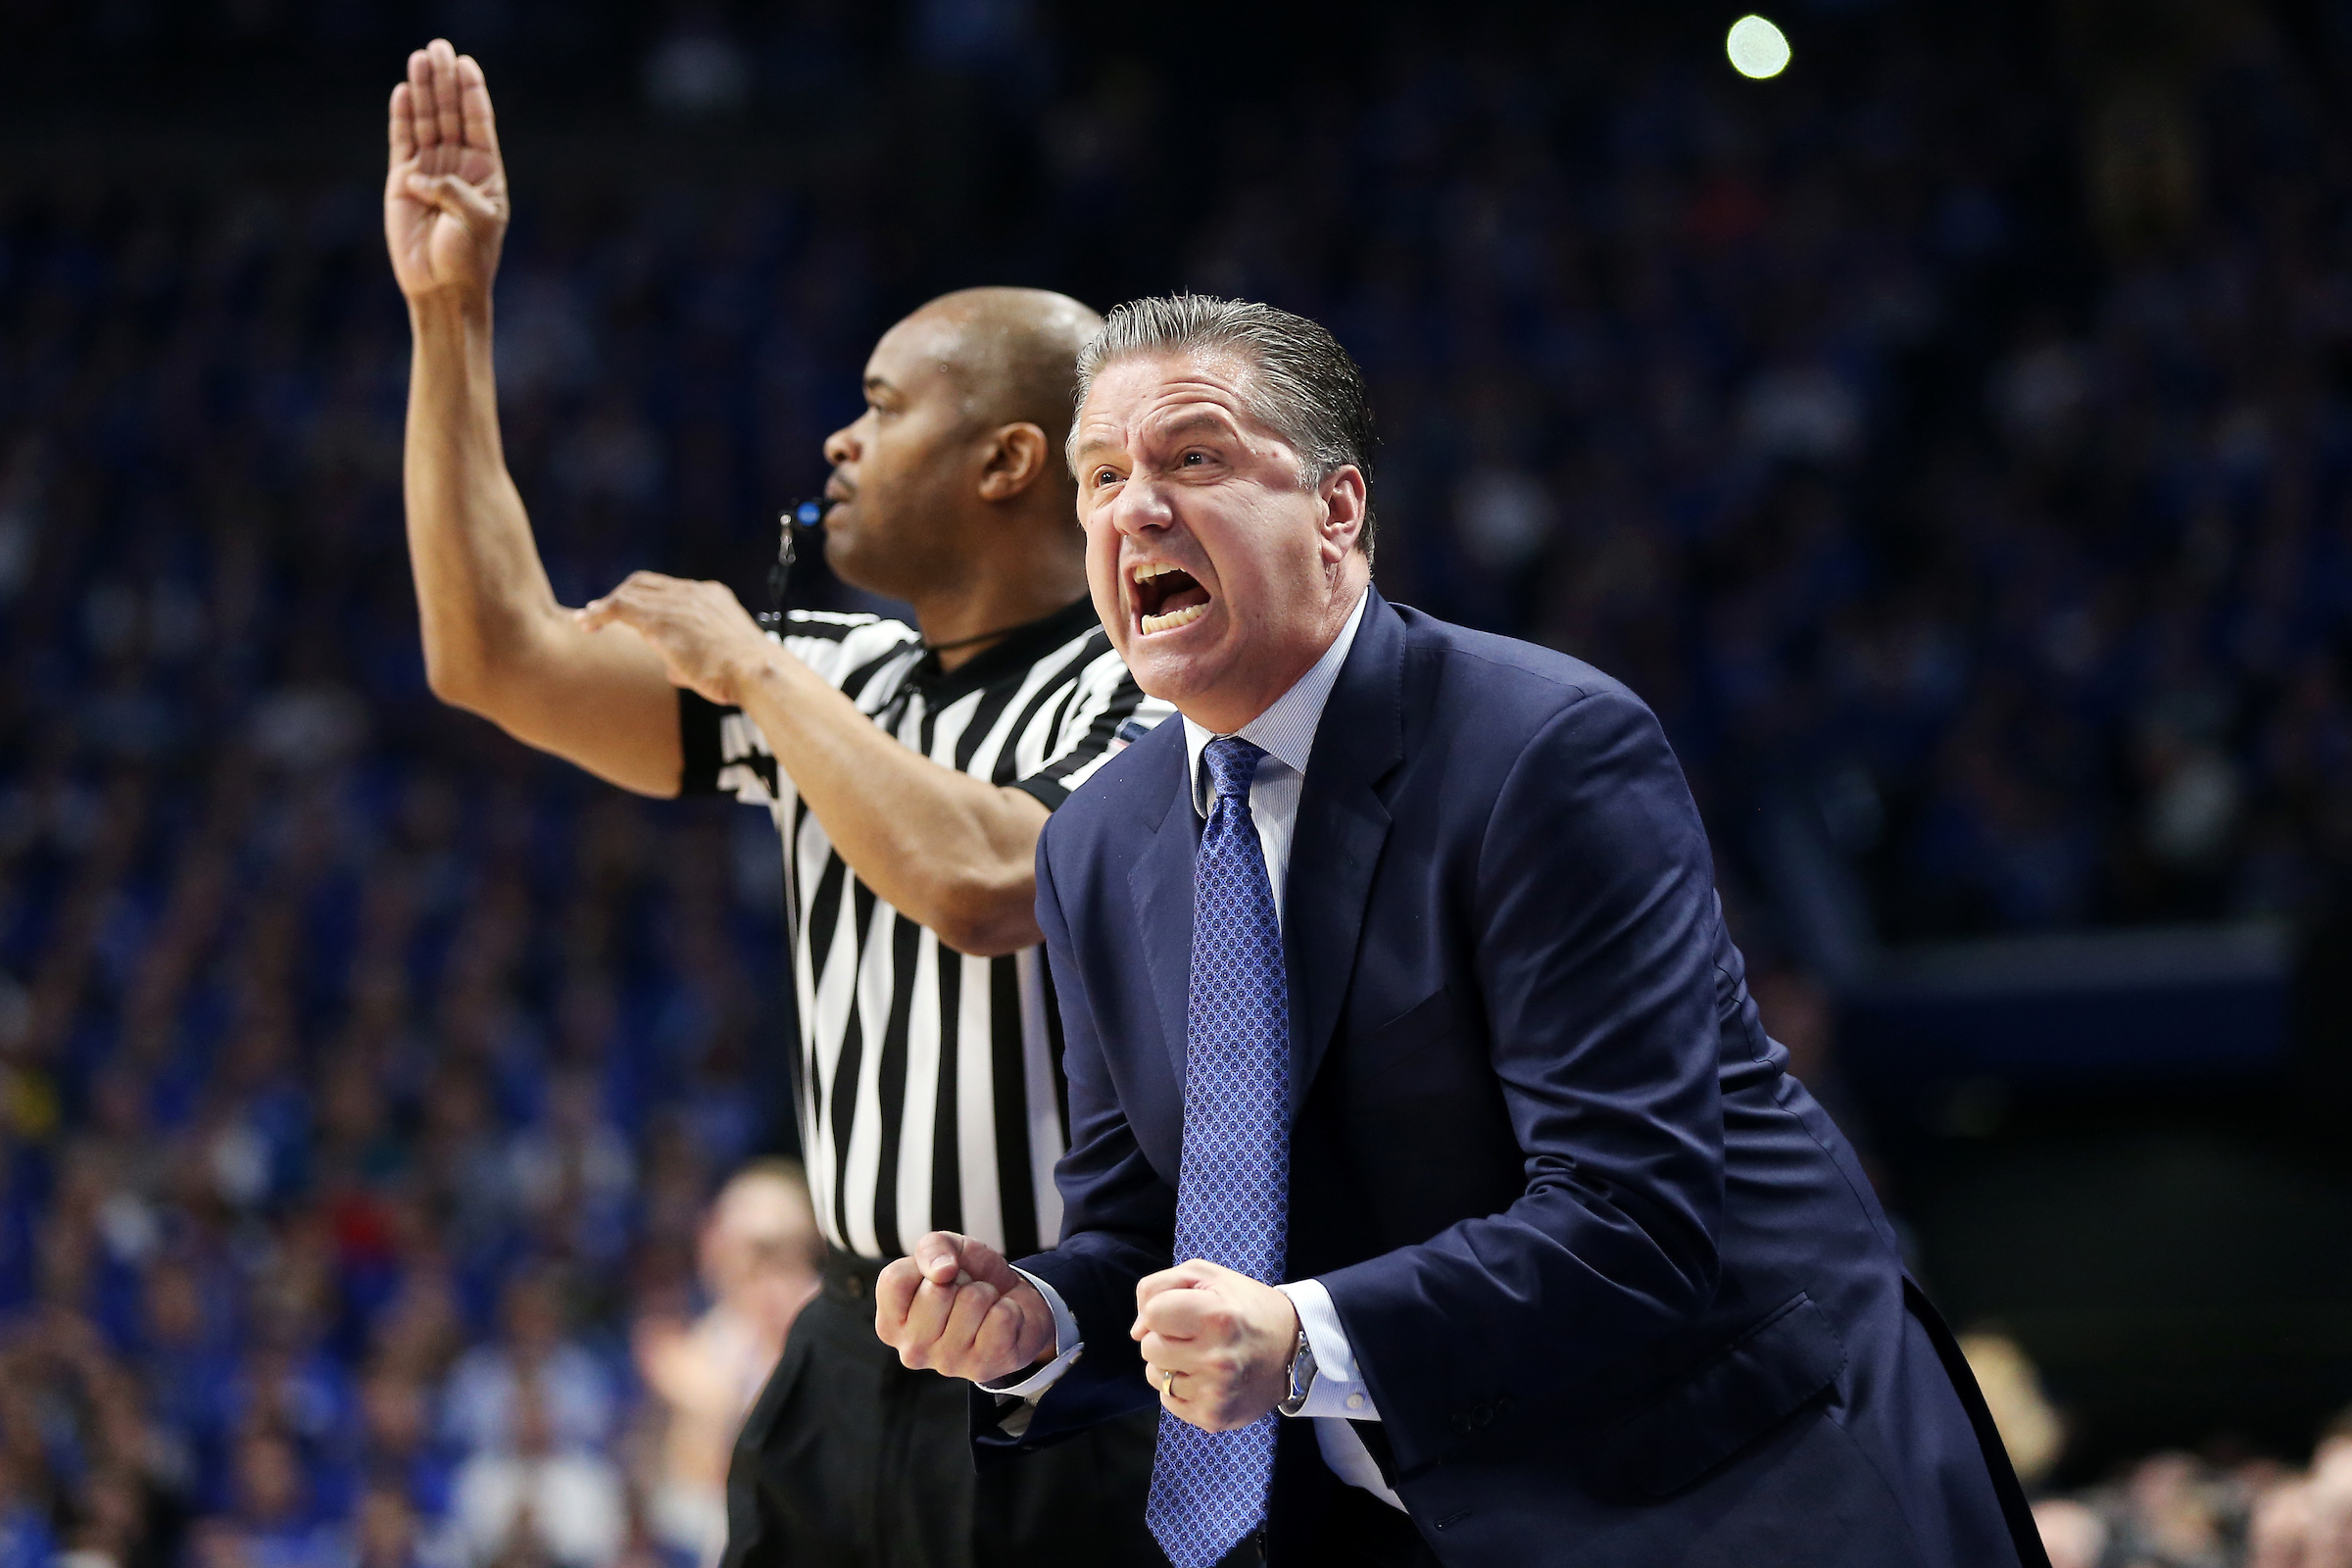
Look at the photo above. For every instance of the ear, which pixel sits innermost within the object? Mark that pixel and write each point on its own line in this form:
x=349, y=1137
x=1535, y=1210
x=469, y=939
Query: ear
x=1345, y=500
x=1017, y=454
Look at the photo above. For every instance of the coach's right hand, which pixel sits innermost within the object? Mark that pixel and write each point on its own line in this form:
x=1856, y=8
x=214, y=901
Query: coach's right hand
x=445, y=195
x=957, y=1308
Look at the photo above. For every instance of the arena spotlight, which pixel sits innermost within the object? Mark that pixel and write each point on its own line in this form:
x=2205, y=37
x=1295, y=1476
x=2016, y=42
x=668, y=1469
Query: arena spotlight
x=1758, y=48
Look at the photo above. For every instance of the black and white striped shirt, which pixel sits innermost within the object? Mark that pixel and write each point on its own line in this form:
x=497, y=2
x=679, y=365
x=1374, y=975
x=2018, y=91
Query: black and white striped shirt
x=929, y=1093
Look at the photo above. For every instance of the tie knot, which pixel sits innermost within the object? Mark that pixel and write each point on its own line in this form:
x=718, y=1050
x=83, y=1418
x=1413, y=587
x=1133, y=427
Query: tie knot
x=1232, y=764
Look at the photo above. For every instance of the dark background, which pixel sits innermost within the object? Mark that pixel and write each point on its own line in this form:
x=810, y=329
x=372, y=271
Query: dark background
x=1951, y=439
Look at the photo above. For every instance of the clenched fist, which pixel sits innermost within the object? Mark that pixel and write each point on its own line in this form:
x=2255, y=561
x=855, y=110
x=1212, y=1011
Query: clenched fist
x=1217, y=1345
x=958, y=1308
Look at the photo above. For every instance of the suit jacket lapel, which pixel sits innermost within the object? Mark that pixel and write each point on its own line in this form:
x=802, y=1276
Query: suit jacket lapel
x=1343, y=823
x=1161, y=881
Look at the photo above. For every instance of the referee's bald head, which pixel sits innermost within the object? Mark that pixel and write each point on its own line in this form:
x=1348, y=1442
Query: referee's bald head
x=1012, y=354
x=957, y=456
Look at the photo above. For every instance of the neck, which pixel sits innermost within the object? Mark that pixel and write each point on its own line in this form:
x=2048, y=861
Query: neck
x=995, y=592
x=1225, y=711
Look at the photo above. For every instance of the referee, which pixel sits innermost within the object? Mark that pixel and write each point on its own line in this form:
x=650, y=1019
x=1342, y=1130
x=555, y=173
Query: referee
x=908, y=773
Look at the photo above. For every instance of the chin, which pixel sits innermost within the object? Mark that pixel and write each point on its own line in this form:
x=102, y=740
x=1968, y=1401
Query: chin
x=842, y=559
x=1171, y=675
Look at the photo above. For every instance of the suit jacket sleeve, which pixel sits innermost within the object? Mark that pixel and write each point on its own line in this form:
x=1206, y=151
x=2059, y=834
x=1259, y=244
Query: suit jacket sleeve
x=1595, y=914
x=1118, y=1223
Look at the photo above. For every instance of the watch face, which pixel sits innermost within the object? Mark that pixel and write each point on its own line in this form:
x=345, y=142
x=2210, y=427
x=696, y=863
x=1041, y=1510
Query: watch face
x=1303, y=1372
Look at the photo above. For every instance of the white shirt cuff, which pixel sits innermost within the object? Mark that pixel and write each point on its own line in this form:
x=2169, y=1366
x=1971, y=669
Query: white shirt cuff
x=1339, y=1389
x=1066, y=1346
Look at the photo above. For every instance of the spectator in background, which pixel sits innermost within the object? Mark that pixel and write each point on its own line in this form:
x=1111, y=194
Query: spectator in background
x=2278, y=1535
x=538, y=1498
x=419, y=1335
x=186, y=1374
x=573, y=1173
x=461, y=1160
x=572, y=1392
x=120, y=1525
x=2072, y=1533
x=2030, y=1428
x=759, y=1256
x=398, y=1453
x=2328, y=1508
x=26, y=1540
x=2174, y=1510
x=78, y=1467
x=274, y=1525
x=384, y=1532
x=291, y=1382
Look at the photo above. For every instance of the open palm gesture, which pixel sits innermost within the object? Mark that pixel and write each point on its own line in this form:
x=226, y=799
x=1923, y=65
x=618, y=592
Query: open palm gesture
x=444, y=197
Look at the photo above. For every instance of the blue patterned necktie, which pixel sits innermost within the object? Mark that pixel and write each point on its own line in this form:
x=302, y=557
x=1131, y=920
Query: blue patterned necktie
x=1233, y=1194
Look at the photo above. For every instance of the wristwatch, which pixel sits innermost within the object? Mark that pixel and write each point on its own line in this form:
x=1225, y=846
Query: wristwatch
x=1302, y=1376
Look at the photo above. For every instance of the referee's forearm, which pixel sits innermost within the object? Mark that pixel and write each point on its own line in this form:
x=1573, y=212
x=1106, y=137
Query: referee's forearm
x=480, y=587
x=495, y=641
x=950, y=851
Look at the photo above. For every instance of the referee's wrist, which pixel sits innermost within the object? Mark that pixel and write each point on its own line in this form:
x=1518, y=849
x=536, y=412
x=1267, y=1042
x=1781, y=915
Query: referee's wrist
x=751, y=668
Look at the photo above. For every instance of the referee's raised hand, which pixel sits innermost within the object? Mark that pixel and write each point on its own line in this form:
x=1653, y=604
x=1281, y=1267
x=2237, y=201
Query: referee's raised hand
x=957, y=1308
x=445, y=193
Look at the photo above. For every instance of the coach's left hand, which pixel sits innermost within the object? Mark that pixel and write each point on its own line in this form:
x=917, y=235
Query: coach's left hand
x=704, y=636
x=1217, y=1345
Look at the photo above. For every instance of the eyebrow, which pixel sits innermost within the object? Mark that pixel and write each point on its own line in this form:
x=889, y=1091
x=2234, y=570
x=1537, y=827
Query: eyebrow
x=1180, y=424
x=1199, y=419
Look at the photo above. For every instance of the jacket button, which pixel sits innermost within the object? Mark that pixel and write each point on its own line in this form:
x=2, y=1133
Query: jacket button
x=1484, y=1415
x=1461, y=1424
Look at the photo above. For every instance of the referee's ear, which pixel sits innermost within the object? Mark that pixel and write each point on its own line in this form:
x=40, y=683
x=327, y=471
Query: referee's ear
x=1018, y=457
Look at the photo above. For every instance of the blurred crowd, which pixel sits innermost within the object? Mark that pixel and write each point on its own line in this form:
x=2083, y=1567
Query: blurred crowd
x=2228, y=1508
x=2177, y=1510
x=1957, y=449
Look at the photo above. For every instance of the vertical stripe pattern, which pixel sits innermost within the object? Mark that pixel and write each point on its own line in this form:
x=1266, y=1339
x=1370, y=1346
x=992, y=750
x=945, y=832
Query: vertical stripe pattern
x=928, y=1082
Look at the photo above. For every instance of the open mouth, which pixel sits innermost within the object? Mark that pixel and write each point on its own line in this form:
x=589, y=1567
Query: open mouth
x=1166, y=597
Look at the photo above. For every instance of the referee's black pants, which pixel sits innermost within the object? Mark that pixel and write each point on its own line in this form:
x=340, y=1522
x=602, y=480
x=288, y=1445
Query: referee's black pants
x=850, y=1460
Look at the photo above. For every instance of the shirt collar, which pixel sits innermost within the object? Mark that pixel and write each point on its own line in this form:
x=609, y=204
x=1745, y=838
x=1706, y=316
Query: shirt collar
x=1284, y=731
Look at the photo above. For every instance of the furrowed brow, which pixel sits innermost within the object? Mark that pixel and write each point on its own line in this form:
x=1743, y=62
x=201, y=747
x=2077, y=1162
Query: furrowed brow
x=1198, y=421
x=1084, y=449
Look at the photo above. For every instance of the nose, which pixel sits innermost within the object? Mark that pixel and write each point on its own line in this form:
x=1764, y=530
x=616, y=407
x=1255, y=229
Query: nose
x=841, y=446
x=1142, y=509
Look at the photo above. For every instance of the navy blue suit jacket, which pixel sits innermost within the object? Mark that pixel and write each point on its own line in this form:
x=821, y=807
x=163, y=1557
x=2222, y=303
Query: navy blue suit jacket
x=1618, y=1287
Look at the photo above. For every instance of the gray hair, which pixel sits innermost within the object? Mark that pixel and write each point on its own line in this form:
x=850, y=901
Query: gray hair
x=1301, y=384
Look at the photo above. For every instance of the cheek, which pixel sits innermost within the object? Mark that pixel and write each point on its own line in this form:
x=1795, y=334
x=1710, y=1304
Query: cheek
x=1102, y=556
x=1113, y=616
x=1247, y=576
x=884, y=460
x=1102, y=582
x=911, y=489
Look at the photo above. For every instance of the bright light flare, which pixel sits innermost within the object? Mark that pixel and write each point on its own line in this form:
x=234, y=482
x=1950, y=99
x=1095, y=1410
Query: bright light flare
x=1758, y=48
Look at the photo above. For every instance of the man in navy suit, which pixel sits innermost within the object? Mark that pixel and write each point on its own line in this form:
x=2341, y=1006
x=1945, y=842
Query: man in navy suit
x=1429, y=1165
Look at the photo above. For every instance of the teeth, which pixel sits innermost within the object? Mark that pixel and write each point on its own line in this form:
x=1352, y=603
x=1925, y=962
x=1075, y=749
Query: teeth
x=1153, y=569
x=1173, y=618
